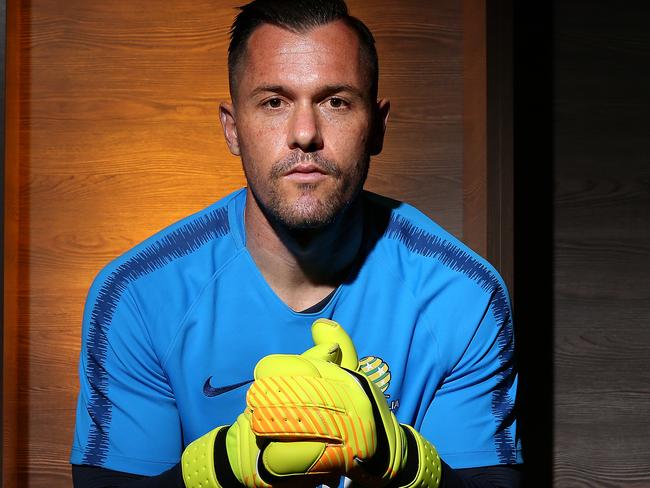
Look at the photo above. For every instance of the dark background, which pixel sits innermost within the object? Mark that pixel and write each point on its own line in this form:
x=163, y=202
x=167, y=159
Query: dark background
x=582, y=240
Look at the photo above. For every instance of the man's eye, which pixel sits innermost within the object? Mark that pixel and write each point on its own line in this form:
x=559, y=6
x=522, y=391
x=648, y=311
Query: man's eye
x=336, y=102
x=273, y=103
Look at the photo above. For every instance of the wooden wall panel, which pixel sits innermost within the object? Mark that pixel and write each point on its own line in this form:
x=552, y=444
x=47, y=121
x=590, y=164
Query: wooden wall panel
x=488, y=220
x=602, y=250
x=420, y=55
x=113, y=134
x=475, y=118
x=13, y=375
x=116, y=110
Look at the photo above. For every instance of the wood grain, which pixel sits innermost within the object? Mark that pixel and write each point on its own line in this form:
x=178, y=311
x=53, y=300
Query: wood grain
x=112, y=134
x=475, y=120
x=602, y=255
x=487, y=132
x=420, y=52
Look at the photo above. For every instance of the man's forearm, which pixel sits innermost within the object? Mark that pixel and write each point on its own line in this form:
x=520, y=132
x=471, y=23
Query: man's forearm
x=504, y=476
x=96, y=477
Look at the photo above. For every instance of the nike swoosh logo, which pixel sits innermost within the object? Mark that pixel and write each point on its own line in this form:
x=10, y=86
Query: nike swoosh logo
x=211, y=391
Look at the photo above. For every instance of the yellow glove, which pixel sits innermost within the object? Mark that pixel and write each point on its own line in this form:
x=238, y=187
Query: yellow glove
x=323, y=418
x=228, y=455
x=223, y=458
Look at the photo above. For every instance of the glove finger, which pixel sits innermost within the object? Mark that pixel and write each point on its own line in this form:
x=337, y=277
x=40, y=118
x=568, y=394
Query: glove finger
x=292, y=458
x=284, y=365
x=325, y=331
x=314, y=459
x=298, y=423
x=242, y=452
x=330, y=352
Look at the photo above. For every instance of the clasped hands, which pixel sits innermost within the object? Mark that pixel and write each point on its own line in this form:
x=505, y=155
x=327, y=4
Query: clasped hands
x=314, y=417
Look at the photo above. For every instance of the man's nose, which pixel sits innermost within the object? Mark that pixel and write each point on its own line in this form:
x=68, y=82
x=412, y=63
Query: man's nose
x=304, y=130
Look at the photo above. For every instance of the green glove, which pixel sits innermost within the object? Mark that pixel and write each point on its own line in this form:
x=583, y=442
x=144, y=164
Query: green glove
x=323, y=418
x=236, y=451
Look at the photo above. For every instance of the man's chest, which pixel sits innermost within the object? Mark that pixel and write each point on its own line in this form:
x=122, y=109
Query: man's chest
x=213, y=360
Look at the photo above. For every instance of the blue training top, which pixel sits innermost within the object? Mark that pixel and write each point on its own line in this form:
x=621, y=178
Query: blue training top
x=172, y=331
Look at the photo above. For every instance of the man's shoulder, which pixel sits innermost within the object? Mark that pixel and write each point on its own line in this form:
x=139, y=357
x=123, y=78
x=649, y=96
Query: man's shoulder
x=397, y=211
x=425, y=250
x=184, y=244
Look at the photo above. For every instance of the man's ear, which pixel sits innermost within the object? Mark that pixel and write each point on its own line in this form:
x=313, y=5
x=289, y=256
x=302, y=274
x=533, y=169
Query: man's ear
x=229, y=125
x=379, y=126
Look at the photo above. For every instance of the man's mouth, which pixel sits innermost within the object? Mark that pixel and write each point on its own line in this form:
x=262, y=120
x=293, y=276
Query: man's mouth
x=306, y=173
x=306, y=168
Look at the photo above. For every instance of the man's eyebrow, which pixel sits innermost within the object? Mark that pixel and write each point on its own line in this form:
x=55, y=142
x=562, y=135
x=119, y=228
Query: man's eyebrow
x=324, y=91
x=269, y=88
x=338, y=88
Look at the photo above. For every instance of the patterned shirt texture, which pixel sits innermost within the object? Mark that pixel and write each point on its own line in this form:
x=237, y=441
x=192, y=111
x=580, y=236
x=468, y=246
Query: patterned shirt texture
x=172, y=331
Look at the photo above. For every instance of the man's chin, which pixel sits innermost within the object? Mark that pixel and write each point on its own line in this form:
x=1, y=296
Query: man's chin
x=308, y=213
x=297, y=221
x=306, y=207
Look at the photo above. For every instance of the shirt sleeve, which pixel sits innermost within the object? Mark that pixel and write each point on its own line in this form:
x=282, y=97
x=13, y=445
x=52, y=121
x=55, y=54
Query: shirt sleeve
x=503, y=476
x=126, y=416
x=94, y=477
x=471, y=419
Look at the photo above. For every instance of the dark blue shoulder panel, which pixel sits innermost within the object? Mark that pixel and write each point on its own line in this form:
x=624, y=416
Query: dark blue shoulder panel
x=178, y=243
x=423, y=243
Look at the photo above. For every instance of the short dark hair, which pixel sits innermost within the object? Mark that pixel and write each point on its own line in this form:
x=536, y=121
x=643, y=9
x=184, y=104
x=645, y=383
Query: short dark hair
x=297, y=16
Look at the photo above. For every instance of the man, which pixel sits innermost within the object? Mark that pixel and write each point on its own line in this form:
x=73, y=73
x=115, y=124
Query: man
x=173, y=330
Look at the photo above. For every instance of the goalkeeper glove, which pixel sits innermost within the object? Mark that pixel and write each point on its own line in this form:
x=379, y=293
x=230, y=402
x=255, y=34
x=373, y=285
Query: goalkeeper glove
x=224, y=457
x=323, y=418
x=228, y=455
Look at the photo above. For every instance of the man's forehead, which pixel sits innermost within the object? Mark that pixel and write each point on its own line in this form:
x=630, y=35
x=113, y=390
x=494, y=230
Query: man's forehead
x=326, y=37
x=276, y=52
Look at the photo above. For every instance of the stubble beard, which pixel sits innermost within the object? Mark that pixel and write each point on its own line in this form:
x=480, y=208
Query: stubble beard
x=308, y=211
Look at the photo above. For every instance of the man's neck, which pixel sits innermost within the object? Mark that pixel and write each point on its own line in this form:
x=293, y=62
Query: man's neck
x=303, y=267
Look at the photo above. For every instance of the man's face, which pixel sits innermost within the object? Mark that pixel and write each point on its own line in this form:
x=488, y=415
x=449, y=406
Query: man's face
x=303, y=122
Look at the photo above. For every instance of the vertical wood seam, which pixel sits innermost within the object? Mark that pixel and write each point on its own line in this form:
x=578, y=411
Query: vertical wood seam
x=11, y=235
x=475, y=223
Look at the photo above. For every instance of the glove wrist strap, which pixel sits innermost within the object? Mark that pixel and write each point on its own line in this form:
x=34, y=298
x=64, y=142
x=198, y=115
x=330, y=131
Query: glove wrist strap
x=423, y=467
x=200, y=458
